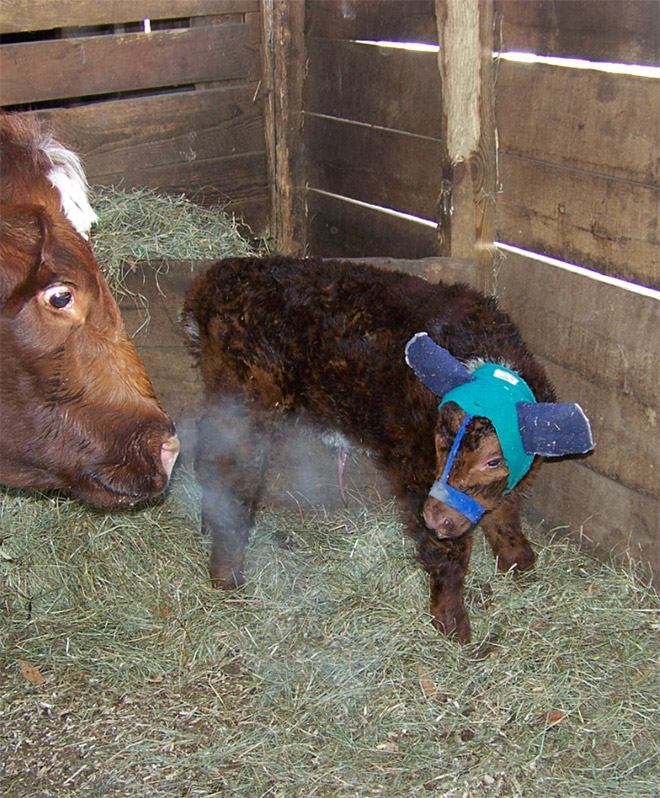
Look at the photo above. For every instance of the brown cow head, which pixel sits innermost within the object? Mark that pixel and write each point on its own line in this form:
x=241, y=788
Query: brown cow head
x=479, y=470
x=77, y=410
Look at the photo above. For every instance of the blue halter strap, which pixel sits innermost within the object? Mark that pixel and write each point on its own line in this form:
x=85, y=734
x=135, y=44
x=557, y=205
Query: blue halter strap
x=443, y=491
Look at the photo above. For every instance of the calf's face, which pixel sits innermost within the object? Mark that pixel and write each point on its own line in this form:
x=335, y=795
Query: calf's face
x=479, y=470
x=77, y=410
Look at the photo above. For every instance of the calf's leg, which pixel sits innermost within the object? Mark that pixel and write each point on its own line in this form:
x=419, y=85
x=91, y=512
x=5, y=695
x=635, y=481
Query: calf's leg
x=445, y=560
x=450, y=560
x=232, y=451
x=506, y=538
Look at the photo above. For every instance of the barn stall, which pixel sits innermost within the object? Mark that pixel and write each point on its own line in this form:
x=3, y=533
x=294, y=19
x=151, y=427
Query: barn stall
x=455, y=162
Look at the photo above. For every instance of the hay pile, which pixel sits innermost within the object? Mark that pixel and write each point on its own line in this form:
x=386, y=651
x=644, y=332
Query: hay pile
x=124, y=673
x=142, y=226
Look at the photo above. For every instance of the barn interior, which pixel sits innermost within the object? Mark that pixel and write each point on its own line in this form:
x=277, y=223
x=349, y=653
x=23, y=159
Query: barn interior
x=509, y=145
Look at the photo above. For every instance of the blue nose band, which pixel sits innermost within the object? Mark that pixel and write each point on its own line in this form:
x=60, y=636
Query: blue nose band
x=443, y=491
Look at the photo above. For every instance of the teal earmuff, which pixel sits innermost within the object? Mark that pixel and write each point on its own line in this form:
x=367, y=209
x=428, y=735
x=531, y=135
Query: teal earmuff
x=494, y=393
x=525, y=427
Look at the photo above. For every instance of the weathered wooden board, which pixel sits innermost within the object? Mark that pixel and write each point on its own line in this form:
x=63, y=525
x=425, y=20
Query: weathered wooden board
x=95, y=65
x=626, y=430
x=389, y=88
x=207, y=144
x=19, y=16
x=582, y=119
x=606, y=517
x=386, y=168
x=340, y=229
x=601, y=346
x=625, y=31
x=239, y=183
x=151, y=132
x=392, y=156
x=580, y=217
x=580, y=167
x=374, y=20
x=608, y=334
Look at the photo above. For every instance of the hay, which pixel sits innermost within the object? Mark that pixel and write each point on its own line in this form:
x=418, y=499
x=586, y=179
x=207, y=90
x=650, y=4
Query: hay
x=144, y=226
x=323, y=676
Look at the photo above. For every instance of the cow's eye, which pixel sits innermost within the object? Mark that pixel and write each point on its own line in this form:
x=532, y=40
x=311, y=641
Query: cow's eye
x=494, y=463
x=58, y=296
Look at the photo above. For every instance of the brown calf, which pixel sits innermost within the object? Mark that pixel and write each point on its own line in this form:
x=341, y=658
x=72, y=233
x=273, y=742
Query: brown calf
x=326, y=341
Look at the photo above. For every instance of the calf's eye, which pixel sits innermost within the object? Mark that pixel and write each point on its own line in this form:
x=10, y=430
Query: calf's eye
x=496, y=463
x=58, y=296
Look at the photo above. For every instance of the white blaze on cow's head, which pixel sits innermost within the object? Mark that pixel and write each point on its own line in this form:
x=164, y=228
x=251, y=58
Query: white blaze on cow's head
x=68, y=177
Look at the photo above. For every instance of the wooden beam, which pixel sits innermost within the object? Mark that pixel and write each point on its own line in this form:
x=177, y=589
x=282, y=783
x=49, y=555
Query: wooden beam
x=467, y=201
x=284, y=69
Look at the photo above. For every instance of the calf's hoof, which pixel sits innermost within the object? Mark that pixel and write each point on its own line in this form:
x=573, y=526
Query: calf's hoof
x=521, y=558
x=226, y=578
x=453, y=622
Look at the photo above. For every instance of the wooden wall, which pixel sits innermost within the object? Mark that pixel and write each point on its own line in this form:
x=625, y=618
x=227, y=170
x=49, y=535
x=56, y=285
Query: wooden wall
x=579, y=159
x=178, y=108
x=365, y=124
x=372, y=128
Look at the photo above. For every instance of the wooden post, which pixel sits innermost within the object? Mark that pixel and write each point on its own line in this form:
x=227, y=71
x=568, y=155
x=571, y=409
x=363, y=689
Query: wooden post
x=284, y=70
x=467, y=201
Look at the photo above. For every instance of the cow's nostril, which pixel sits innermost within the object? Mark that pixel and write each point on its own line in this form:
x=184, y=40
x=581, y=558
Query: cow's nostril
x=169, y=451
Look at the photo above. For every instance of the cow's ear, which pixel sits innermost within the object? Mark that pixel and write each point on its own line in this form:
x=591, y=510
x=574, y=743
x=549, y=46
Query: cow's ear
x=553, y=429
x=25, y=252
x=435, y=366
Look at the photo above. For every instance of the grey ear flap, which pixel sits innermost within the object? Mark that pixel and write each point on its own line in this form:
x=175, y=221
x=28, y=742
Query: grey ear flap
x=435, y=366
x=553, y=429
